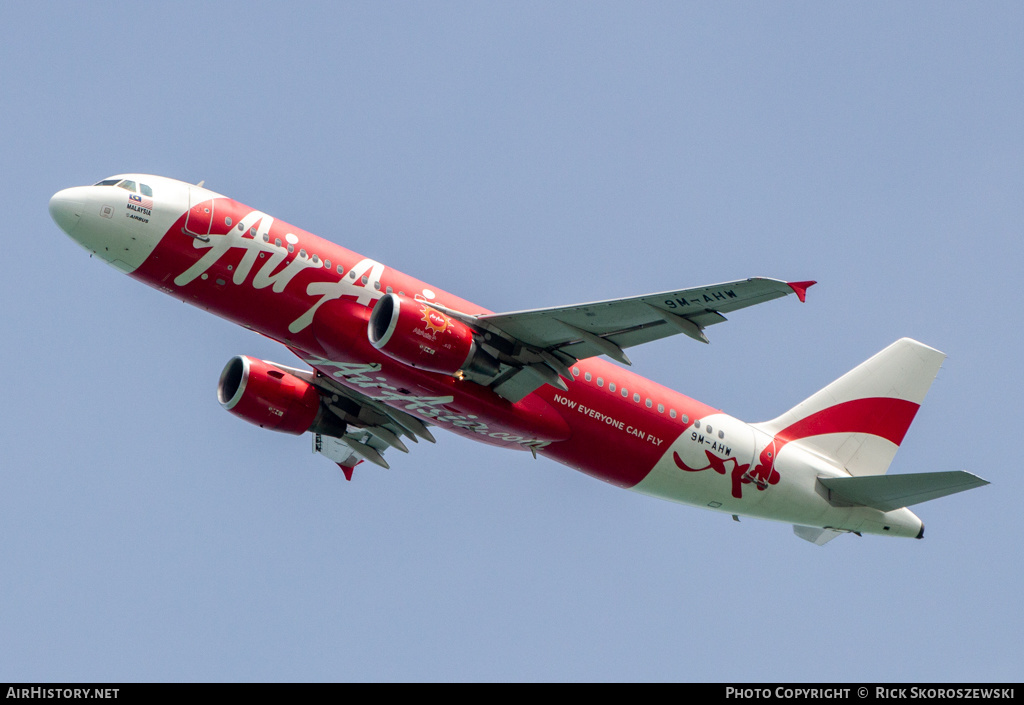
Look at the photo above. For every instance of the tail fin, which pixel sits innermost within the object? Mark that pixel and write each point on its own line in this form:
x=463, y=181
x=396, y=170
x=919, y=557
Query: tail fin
x=861, y=418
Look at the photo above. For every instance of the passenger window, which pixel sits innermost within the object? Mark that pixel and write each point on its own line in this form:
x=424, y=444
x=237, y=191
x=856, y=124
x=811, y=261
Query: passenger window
x=146, y=190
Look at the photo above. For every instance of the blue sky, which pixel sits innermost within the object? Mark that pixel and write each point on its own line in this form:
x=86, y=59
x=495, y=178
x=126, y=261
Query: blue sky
x=519, y=155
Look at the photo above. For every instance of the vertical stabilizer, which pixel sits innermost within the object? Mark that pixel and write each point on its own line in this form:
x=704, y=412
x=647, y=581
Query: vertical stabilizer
x=860, y=419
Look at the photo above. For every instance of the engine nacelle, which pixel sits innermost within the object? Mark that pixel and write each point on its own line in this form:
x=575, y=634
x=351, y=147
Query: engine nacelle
x=271, y=398
x=420, y=336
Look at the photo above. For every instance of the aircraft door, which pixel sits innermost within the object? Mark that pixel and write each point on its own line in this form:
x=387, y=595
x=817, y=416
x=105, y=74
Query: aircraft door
x=200, y=214
x=729, y=448
x=740, y=447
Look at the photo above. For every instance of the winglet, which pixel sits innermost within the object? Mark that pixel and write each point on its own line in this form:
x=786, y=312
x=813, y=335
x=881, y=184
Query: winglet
x=347, y=469
x=801, y=289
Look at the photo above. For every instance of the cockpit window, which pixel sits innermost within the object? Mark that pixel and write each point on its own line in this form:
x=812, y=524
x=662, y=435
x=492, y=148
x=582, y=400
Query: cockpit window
x=146, y=190
x=127, y=185
x=107, y=182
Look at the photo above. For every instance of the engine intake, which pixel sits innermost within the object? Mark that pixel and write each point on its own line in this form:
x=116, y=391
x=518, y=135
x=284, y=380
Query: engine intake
x=420, y=336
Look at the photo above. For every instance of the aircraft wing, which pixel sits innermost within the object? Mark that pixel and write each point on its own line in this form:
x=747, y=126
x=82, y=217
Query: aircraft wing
x=540, y=344
x=638, y=319
x=371, y=427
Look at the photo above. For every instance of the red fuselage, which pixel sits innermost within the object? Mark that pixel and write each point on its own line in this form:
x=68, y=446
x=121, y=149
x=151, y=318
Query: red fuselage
x=316, y=297
x=272, y=288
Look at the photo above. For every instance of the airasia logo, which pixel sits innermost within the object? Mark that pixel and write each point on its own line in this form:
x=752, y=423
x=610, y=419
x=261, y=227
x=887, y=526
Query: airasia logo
x=273, y=268
x=435, y=320
x=761, y=476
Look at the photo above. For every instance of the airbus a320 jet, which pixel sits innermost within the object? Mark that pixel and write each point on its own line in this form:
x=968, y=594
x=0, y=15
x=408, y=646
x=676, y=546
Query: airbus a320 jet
x=392, y=357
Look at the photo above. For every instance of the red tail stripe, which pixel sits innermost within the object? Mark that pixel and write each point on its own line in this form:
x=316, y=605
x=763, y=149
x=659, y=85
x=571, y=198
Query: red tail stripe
x=885, y=417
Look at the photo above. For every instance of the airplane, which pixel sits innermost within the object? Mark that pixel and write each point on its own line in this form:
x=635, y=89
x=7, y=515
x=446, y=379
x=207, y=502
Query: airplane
x=392, y=357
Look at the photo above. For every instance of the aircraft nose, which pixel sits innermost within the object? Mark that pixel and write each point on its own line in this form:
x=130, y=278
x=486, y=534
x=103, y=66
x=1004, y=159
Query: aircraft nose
x=66, y=209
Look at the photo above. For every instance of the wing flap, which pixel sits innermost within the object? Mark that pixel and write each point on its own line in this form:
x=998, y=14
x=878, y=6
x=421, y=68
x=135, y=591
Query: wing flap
x=519, y=382
x=888, y=492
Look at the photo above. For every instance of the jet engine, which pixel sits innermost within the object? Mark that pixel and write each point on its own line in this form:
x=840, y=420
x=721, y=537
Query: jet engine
x=262, y=394
x=420, y=336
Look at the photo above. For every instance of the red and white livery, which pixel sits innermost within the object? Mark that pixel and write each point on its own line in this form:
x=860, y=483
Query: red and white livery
x=392, y=356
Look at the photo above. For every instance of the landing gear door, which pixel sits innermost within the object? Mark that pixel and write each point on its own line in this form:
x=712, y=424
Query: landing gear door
x=200, y=214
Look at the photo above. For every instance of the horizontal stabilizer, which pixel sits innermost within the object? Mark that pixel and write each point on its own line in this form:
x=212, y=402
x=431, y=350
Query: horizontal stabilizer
x=819, y=537
x=888, y=492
